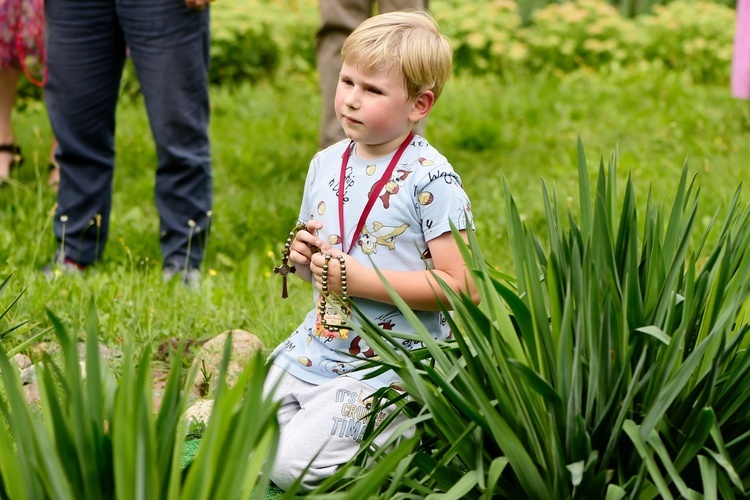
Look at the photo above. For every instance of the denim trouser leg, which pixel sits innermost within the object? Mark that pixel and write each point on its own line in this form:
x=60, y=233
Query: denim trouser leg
x=85, y=54
x=86, y=48
x=169, y=45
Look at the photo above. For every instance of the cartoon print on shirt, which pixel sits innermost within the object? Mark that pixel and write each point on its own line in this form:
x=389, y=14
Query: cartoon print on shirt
x=425, y=198
x=335, y=184
x=335, y=367
x=466, y=215
x=385, y=321
x=333, y=239
x=360, y=348
x=412, y=344
x=380, y=235
x=304, y=361
x=393, y=185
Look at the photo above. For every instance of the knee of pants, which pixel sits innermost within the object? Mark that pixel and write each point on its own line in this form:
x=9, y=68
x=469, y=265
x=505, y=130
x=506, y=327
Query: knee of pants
x=288, y=468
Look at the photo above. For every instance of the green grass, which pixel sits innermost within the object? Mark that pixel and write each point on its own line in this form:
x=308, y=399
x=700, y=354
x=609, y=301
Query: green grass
x=263, y=138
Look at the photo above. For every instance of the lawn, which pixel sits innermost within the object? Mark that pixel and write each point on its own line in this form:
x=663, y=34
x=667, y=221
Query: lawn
x=522, y=130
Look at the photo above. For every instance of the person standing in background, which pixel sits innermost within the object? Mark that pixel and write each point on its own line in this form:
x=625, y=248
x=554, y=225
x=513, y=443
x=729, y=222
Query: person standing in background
x=168, y=41
x=21, y=39
x=338, y=18
x=741, y=54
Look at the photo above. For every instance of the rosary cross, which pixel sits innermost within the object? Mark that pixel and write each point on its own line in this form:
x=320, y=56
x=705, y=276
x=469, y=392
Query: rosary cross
x=285, y=269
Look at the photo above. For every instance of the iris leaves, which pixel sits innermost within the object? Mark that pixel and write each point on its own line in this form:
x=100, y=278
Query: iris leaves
x=613, y=365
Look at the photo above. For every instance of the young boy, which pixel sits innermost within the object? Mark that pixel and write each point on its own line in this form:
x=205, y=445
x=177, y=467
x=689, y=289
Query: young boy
x=383, y=198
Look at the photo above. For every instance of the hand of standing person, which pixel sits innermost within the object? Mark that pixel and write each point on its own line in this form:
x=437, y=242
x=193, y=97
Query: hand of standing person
x=197, y=4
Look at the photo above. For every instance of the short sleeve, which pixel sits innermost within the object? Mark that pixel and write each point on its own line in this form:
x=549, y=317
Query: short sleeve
x=440, y=200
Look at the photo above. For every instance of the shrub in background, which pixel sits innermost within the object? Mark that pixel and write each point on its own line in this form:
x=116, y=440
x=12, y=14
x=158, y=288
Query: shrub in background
x=491, y=36
x=253, y=39
x=583, y=33
x=486, y=36
x=243, y=55
x=615, y=364
x=691, y=36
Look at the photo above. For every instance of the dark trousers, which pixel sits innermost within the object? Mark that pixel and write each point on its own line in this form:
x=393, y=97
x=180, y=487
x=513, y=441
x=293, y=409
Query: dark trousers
x=86, y=50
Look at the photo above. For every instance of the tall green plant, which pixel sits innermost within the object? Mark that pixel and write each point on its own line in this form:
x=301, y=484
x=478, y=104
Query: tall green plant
x=95, y=436
x=613, y=365
x=15, y=334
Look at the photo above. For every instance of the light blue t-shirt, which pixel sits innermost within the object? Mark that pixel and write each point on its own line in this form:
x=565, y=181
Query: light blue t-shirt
x=417, y=204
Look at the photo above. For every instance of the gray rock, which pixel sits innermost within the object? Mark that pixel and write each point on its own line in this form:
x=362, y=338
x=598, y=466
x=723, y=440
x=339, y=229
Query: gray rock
x=244, y=346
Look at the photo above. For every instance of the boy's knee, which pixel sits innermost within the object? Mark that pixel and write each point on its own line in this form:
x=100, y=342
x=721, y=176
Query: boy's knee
x=287, y=470
x=298, y=457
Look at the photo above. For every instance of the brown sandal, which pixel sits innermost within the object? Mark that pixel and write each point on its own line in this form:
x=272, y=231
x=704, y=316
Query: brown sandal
x=16, y=157
x=15, y=150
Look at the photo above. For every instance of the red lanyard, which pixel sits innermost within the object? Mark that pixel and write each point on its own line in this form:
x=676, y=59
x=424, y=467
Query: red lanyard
x=373, y=194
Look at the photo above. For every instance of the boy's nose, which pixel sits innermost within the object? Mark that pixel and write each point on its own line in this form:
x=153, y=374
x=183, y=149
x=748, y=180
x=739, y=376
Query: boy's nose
x=352, y=100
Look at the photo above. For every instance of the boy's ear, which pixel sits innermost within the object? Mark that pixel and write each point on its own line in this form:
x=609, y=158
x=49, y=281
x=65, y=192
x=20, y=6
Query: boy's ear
x=422, y=106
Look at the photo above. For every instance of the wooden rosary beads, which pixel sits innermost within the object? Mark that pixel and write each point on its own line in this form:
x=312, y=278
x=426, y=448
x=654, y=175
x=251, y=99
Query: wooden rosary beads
x=285, y=269
x=330, y=322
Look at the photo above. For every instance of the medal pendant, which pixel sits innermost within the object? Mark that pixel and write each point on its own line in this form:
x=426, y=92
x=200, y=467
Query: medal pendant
x=330, y=323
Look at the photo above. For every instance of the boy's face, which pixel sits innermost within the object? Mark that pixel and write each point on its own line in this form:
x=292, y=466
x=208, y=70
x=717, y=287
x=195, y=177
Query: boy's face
x=374, y=110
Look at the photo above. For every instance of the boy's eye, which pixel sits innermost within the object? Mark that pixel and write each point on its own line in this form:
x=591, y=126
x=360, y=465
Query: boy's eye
x=374, y=90
x=346, y=81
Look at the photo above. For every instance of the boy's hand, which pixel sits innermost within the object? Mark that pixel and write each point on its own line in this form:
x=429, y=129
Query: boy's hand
x=307, y=243
x=334, y=270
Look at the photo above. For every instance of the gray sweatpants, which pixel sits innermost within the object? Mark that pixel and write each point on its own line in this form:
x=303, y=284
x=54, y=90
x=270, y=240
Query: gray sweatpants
x=321, y=426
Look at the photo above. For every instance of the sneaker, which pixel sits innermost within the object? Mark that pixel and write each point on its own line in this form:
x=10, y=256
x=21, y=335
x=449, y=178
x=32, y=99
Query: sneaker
x=190, y=276
x=67, y=266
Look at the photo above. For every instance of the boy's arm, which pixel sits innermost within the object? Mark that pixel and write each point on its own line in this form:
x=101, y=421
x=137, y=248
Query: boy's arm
x=418, y=288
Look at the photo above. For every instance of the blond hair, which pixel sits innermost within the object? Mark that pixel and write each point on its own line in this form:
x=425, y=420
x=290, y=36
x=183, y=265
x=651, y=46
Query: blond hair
x=409, y=41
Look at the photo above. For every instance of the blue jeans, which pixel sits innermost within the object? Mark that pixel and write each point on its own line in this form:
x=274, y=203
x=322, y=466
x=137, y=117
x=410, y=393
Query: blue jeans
x=86, y=50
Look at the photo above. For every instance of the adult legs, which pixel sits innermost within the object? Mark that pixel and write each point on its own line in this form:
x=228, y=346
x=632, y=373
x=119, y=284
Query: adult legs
x=8, y=83
x=85, y=55
x=169, y=45
x=338, y=18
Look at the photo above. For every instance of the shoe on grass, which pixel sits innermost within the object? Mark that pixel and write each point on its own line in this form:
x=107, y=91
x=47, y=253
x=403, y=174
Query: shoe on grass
x=65, y=266
x=189, y=276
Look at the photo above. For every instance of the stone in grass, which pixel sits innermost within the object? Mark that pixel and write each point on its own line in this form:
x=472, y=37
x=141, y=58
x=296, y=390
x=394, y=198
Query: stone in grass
x=197, y=416
x=21, y=361
x=244, y=346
